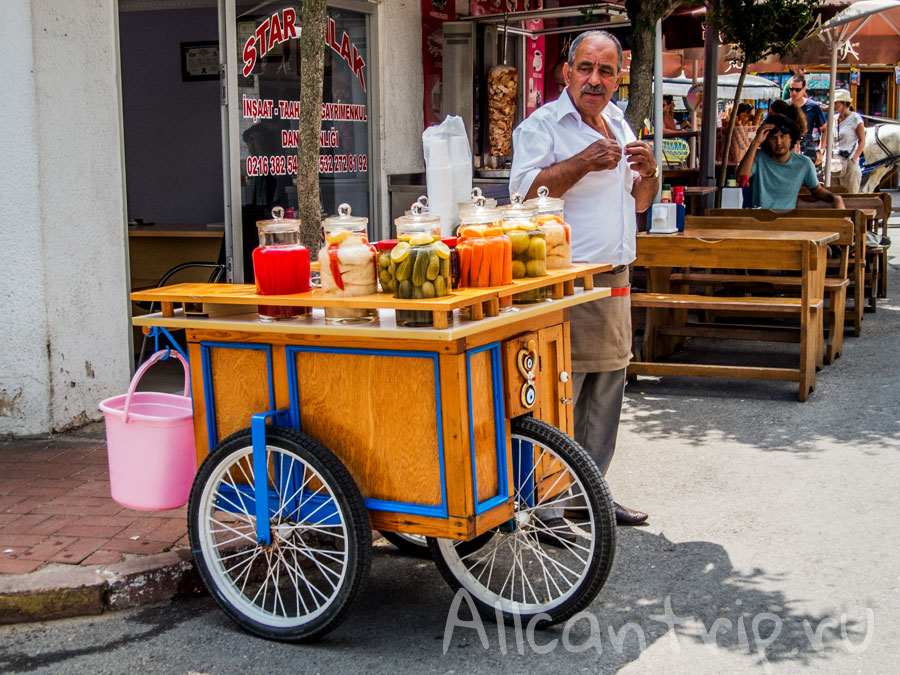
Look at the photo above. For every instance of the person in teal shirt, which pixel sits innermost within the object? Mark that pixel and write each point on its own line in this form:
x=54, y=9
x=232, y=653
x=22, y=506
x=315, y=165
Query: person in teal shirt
x=776, y=173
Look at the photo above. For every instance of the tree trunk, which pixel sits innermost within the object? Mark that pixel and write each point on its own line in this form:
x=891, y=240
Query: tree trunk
x=734, y=106
x=640, y=89
x=312, y=72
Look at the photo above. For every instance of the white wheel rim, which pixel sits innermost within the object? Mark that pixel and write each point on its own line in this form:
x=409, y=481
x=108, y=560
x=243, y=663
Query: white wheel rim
x=299, y=579
x=417, y=539
x=516, y=570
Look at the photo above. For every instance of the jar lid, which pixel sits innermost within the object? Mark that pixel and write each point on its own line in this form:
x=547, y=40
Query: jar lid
x=544, y=203
x=517, y=208
x=385, y=244
x=278, y=223
x=450, y=241
x=344, y=219
x=472, y=202
x=419, y=219
x=481, y=213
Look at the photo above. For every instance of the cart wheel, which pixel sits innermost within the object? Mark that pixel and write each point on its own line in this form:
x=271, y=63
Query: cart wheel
x=411, y=544
x=302, y=584
x=554, y=555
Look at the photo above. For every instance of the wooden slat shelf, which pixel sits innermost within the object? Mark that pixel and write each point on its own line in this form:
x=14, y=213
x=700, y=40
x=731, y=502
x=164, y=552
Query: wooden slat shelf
x=486, y=298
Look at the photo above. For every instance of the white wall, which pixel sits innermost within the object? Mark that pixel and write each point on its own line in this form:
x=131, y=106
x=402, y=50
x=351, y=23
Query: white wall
x=64, y=340
x=400, y=67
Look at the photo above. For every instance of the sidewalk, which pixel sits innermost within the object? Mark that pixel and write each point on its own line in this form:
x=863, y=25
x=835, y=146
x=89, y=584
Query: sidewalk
x=66, y=548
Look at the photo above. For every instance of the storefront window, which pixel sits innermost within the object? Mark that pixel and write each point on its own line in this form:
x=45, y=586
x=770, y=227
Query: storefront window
x=268, y=40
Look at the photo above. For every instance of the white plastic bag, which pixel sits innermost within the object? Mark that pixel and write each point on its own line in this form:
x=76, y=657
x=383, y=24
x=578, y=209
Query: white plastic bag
x=448, y=169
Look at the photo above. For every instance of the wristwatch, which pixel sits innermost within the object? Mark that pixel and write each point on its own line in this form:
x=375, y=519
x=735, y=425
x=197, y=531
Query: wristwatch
x=655, y=173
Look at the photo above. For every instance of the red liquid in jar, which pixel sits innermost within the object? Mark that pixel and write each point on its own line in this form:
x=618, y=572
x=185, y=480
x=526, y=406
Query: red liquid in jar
x=281, y=270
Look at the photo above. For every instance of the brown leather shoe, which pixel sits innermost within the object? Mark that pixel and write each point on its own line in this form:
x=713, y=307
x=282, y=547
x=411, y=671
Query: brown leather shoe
x=625, y=516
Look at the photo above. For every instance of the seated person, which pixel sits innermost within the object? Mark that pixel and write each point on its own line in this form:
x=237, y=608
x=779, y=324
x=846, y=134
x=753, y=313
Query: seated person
x=776, y=173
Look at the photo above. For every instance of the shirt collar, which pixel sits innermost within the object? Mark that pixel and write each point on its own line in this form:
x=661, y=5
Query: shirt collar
x=565, y=107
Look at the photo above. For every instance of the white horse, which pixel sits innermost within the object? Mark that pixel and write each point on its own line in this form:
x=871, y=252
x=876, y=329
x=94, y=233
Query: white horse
x=882, y=151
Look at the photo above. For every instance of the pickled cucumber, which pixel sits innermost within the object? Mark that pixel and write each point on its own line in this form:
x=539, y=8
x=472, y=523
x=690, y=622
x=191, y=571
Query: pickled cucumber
x=384, y=277
x=384, y=259
x=417, y=293
x=405, y=290
x=440, y=286
x=445, y=267
x=537, y=249
x=428, y=290
x=420, y=267
x=404, y=269
x=518, y=269
x=520, y=242
x=535, y=268
x=434, y=266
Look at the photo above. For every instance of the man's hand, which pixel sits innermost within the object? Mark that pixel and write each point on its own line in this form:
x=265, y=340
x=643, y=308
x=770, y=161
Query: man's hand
x=762, y=133
x=640, y=157
x=601, y=155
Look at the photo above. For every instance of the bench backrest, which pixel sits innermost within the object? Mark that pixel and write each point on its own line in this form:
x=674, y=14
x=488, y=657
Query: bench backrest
x=687, y=251
x=880, y=201
x=740, y=219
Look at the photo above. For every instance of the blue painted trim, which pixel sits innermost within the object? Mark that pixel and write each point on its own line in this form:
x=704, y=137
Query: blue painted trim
x=260, y=478
x=499, y=427
x=410, y=508
x=523, y=463
x=156, y=330
x=212, y=433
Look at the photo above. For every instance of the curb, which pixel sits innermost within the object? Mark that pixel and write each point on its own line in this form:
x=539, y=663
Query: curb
x=62, y=592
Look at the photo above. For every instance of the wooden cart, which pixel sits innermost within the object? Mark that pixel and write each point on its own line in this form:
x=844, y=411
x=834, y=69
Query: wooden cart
x=457, y=433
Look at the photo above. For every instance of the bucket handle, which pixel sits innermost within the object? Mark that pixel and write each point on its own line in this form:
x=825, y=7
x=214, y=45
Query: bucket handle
x=158, y=356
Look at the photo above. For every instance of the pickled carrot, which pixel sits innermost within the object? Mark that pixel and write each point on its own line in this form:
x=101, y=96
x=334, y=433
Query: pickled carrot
x=506, y=277
x=475, y=269
x=497, y=252
x=484, y=272
x=465, y=259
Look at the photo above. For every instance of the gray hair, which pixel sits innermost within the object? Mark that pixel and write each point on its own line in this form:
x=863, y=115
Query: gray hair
x=602, y=34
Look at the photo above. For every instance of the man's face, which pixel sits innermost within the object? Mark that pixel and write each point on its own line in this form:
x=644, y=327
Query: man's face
x=594, y=76
x=779, y=143
x=797, y=91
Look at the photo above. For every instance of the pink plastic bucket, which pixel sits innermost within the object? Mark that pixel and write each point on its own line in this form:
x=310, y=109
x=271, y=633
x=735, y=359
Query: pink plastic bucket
x=150, y=444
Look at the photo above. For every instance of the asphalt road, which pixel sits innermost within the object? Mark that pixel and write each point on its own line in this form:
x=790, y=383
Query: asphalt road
x=772, y=547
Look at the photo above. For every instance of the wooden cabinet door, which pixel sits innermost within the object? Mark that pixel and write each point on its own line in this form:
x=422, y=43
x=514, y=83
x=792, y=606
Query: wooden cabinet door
x=554, y=377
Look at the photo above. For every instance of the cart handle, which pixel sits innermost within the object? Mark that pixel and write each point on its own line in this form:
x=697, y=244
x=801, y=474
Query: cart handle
x=158, y=356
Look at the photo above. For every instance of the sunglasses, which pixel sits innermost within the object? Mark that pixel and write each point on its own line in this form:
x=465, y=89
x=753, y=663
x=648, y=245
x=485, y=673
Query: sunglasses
x=796, y=88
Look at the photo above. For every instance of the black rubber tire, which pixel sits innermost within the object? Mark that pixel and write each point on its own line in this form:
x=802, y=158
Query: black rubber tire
x=406, y=546
x=358, y=548
x=604, y=525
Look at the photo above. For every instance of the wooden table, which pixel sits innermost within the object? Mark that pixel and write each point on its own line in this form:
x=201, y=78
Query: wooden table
x=155, y=249
x=693, y=195
x=736, y=250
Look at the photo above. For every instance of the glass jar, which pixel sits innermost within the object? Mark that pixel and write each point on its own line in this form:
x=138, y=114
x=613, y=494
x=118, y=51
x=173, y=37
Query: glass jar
x=383, y=260
x=452, y=243
x=485, y=253
x=280, y=265
x=557, y=232
x=347, y=265
x=421, y=264
x=529, y=246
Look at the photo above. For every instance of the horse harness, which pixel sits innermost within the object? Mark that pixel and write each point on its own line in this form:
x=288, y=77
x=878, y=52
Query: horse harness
x=889, y=158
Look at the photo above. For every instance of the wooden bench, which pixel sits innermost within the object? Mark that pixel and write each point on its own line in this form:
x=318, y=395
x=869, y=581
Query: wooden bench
x=731, y=249
x=875, y=275
x=855, y=273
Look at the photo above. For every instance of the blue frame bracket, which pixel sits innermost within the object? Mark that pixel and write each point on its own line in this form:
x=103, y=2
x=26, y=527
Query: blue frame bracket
x=260, y=472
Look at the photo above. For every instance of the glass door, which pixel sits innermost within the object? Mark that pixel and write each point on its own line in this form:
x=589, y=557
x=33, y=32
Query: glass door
x=263, y=66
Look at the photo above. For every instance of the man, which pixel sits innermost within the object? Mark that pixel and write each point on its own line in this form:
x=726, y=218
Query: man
x=777, y=173
x=583, y=150
x=849, y=141
x=815, y=117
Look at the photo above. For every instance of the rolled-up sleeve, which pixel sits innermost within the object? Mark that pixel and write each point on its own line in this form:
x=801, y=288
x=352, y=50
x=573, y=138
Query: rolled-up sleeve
x=532, y=152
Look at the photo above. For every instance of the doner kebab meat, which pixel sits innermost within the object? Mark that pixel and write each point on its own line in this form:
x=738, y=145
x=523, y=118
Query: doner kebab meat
x=503, y=85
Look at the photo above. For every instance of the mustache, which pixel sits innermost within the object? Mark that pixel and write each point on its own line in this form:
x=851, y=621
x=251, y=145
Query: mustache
x=594, y=89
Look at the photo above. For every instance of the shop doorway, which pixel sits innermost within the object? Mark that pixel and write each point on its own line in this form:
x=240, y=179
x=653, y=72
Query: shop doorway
x=873, y=94
x=173, y=142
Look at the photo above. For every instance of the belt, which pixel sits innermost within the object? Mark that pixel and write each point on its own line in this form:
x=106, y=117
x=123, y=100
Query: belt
x=618, y=270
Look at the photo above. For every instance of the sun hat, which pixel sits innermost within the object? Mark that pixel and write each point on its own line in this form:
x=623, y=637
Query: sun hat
x=842, y=95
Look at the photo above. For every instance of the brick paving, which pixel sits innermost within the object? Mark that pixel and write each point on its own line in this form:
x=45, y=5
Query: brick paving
x=55, y=508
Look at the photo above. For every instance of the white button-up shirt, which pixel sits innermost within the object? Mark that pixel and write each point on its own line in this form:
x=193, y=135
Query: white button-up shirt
x=599, y=207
